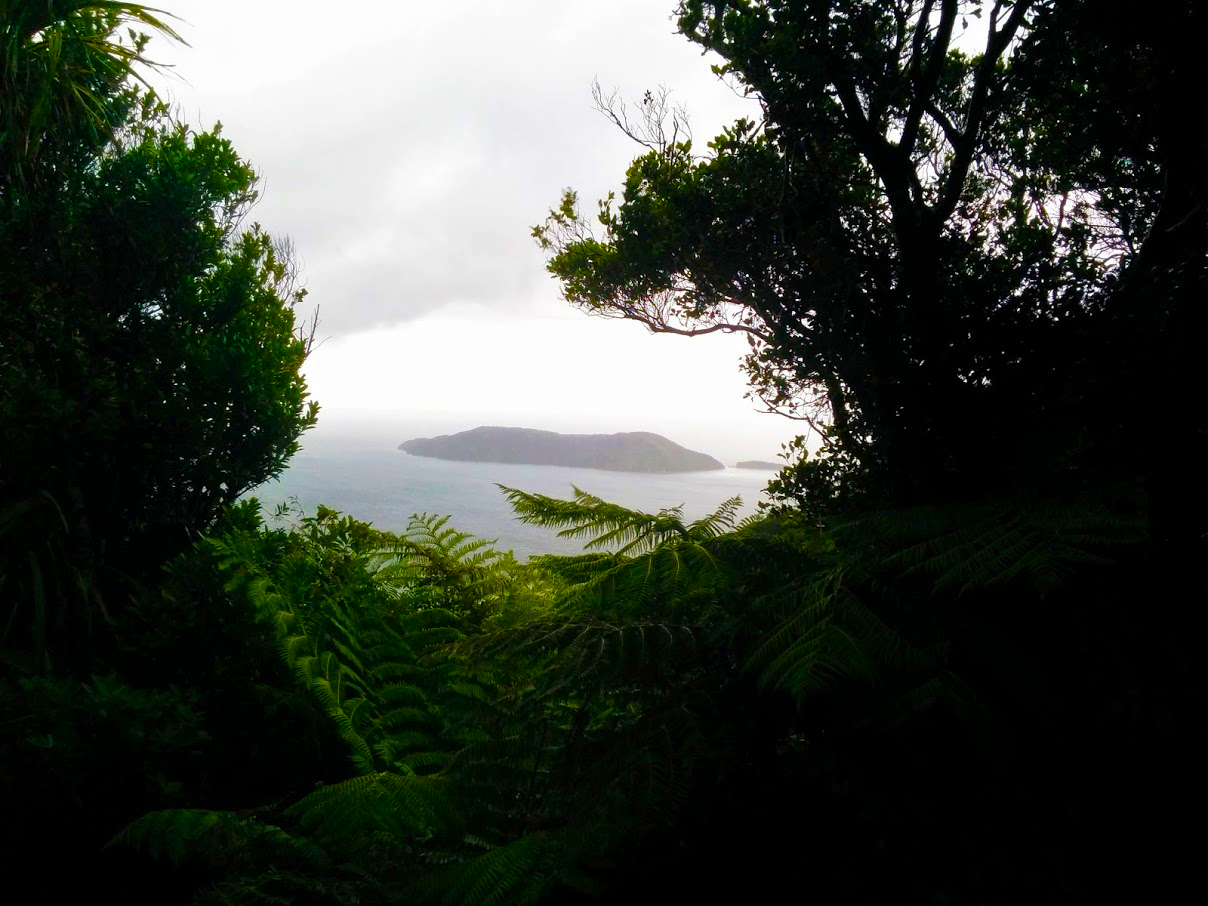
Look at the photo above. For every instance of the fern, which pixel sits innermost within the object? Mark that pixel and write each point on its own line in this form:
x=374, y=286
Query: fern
x=976, y=547
x=602, y=524
x=509, y=722
x=486, y=749
x=220, y=837
x=846, y=616
x=518, y=873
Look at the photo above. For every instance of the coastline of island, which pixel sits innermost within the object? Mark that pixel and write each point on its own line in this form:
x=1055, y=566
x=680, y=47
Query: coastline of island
x=631, y=451
x=761, y=464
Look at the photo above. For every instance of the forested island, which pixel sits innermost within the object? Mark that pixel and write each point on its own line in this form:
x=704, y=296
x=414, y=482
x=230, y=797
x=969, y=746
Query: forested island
x=760, y=464
x=628, y=451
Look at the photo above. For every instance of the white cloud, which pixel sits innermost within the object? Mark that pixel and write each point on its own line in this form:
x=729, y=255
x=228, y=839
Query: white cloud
x=576, y=374
x=409, y=148
x=434, y=134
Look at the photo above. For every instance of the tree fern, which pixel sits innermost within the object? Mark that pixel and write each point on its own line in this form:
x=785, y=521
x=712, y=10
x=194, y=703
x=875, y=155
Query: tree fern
x=179, y=834
x=600, y=524
x=432, y=565
x=863, y=603
x=659, y=561
x=965, y=548
x=487, y=751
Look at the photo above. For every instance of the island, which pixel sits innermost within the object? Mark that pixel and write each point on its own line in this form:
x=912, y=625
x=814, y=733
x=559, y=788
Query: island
x=631, y=451
x=759, y=464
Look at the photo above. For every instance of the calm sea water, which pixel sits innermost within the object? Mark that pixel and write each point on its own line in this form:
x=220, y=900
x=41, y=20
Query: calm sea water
x=385, y=487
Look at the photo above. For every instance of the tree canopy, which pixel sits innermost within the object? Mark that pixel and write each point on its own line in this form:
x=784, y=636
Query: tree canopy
x=955, y=662
x=932, y=267
x=148, y=344
x=149, y=375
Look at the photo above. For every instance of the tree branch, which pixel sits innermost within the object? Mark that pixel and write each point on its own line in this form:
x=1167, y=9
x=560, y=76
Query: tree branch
x=927, y=74
x=631, y=313
x=893, y=169
x=950, y=131
x=996, y=45
x=656, y=107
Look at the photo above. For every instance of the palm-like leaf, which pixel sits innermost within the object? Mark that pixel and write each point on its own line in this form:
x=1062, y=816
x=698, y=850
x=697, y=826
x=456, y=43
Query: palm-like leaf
x=845, y=616
x=597, y=523
x=62, y=67
x=434, y=565
x=658, y=561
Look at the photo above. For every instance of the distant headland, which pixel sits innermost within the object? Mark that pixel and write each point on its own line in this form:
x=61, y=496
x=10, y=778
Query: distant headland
x=759, y=464
x=631, y=451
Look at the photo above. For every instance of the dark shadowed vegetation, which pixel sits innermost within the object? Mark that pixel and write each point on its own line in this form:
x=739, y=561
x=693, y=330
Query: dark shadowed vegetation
x=952, y=662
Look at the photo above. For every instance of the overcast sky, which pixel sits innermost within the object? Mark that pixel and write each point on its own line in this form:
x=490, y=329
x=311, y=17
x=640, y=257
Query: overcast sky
x=408, y=155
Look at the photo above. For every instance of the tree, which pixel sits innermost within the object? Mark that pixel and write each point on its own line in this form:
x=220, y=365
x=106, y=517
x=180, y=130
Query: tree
x=926, y=260
x=978, y=274
x=149, y=375
x=150, y=357
x=61, y=69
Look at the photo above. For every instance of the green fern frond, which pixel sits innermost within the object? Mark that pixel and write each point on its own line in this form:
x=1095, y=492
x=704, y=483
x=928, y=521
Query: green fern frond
x=822, y=630
x=222, y=837
x=586, y=653
x=404, y=807
x=973, y=547
x=717, y=523
x=602, y=524
x=519, y=873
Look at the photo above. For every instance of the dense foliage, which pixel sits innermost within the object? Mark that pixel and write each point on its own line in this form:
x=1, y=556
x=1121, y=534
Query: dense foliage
x=953, y=663
x=149, y=360
x=149, y=352
x=688, y=677
x=933, y=267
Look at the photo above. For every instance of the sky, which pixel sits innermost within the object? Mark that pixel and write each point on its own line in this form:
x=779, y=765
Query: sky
x=408, y=150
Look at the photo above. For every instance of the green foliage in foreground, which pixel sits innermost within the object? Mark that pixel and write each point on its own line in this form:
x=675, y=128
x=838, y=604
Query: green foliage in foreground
x=61, y=64
x=149, y=375
x=515, y=729
x=151, y=365
x=955, y=666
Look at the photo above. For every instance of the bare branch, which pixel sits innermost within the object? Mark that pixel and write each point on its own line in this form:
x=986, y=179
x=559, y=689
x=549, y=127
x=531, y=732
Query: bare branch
x=307, y=332
x=657, y=324
x=286, y=253
x=659, y=124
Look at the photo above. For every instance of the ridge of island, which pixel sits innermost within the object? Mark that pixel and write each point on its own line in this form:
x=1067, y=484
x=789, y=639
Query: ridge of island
x=759, y=464
x=629, y=451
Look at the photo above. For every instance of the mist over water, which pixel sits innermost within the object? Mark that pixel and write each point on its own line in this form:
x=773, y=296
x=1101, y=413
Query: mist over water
x=354, y=467
x=381, y=429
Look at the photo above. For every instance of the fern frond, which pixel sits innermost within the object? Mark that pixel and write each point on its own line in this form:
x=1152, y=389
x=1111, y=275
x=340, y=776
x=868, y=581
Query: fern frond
x=222, y=837
x=717, y=523
x=518, y=873
x=972, y=547
x=404, y=807
x=602, y=524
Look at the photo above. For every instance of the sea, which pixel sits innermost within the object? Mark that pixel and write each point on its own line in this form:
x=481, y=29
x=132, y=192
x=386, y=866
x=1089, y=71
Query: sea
x=377, y=483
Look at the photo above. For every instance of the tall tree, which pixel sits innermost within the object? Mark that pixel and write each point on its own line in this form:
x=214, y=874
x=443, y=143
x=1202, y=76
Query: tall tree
x=150, y=357
x=149, y=374
x=925, y=260
x=982, y=274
